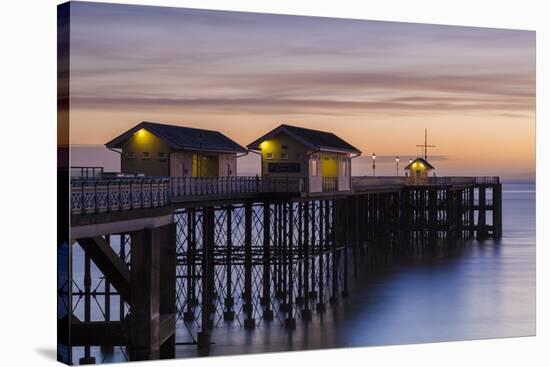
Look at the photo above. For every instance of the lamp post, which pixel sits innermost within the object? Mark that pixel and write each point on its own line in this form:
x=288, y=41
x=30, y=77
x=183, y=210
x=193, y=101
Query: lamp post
x=397, y=165
x=374, y=164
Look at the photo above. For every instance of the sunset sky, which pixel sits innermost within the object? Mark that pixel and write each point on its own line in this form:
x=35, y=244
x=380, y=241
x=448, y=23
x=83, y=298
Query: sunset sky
x=375, y=84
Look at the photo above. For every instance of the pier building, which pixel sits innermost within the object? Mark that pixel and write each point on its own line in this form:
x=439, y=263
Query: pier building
x=321, y=157
x=154, y=149
x=418, y=171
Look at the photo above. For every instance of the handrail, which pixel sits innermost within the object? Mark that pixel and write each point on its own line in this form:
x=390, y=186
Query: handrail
x=92, y=196
x=369, y=181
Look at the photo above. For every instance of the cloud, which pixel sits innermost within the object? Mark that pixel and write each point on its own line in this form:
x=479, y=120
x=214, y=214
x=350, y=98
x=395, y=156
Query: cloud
x=302, y=106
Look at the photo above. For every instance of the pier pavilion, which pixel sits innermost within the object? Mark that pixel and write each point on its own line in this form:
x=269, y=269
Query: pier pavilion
x=154, y=149
x=322, y=158
x=418, y=171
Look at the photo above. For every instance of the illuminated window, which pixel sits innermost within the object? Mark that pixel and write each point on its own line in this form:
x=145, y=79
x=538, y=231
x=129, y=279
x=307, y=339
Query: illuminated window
x=314, y=167
x=284, y=156
x=268, y=155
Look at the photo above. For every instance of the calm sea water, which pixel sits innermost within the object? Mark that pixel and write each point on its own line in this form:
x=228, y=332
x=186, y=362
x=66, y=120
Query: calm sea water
x=486, y=291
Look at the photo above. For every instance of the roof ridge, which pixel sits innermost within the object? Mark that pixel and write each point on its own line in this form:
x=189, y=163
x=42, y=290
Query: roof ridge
x=179, y=126
x=306, y=128
x=183, y=137
x=311, y=138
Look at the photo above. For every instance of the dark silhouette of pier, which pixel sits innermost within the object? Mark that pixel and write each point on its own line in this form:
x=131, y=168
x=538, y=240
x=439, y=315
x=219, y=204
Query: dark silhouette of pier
x=247, y=251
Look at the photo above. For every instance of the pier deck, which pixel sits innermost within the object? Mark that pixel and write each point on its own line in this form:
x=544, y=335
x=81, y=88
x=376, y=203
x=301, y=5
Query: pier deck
x=247, y=250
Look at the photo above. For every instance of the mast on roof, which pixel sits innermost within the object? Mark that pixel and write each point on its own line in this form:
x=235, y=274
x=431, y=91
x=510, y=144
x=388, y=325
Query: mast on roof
x=425, y=145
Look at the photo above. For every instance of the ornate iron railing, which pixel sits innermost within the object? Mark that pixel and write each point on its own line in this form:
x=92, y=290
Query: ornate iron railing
x=89, y=196
x=100, y=196
x=92, y=196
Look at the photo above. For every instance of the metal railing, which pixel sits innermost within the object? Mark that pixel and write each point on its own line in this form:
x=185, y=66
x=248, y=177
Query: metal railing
x=330, y=184
x=118, y=194
x=212, y=186
x=86, y=172
x=102, y=195
x=459, y=180
x=369, y=181
x=89, y=196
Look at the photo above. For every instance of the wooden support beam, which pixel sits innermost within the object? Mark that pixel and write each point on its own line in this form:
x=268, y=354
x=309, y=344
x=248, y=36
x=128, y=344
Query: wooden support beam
x=312, y=250
x=290, y=321
x=432, y=217
x=192, y=301
x=144, y=299
x=266, y=277
x=306, y=311
x=229, y=313
x=105, y=333
x=108, y=263
x=335, y=240
x=323, y=239
x=300, y=296
x=167, y=292
x=482, y=213
x=207, y=265
x=497, y=210
x=249, y=322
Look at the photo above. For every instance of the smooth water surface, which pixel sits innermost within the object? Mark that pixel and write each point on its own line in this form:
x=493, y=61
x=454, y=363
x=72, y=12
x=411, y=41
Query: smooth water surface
x=485, y=291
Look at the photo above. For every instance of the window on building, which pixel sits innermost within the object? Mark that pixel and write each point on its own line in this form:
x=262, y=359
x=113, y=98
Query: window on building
x=161, y=156
x=284, y=156
x=345, y=168
x=284, y=146
x=314, y=167
x=146, y=155
x=268, y=155
x=130, y=155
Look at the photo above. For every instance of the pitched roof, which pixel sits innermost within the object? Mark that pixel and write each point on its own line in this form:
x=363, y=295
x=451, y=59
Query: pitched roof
x=313, y=139
x=420, y=160
x=181, y=138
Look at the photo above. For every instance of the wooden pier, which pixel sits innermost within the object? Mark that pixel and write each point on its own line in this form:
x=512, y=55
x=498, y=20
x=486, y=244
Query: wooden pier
x=248, y=251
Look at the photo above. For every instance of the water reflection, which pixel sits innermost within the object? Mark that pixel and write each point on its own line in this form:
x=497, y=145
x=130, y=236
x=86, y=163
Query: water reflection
x=486, y=290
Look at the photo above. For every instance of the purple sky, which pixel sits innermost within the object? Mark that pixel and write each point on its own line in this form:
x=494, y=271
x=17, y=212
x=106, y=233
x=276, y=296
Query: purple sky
x=375, y=84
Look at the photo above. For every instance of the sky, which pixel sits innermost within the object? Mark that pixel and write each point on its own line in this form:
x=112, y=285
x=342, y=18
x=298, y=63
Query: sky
x=375, y=84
